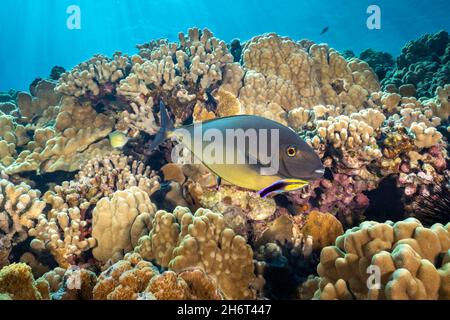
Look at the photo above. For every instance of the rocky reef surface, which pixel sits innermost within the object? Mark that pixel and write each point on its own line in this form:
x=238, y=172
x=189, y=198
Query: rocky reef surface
x=80, y=219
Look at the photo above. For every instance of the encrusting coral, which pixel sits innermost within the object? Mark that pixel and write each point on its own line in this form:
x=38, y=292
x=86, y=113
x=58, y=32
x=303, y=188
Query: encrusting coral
x=18, y=282
x=407, y=255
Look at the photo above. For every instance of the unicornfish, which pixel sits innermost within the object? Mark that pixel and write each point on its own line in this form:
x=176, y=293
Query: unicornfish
x=247, y=151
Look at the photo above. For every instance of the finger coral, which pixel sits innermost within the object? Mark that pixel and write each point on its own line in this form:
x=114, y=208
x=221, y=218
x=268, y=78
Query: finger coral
x=179, y=74
x=12, y=137
x=20, y=208
x=95, y=77
x=64, y=235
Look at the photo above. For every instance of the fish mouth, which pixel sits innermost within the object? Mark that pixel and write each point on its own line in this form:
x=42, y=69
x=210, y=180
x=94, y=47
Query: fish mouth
x=315, y=175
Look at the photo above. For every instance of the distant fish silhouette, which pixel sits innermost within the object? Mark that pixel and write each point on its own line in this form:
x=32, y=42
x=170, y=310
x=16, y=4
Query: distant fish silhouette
x=324, y=30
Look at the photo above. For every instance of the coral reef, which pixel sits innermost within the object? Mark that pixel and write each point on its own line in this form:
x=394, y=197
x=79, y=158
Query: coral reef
x=92, y=219
x=96, y=77
x=406, y=253
x=136, y=279
x=380, y=62
x=283, y=76
x=74, y=224
x=116, y=222
x=20, y=208
x=182, y=240
x=78, y=135
x=423, y=63
x=393, y=136
x=181, y=74
x=17, y=281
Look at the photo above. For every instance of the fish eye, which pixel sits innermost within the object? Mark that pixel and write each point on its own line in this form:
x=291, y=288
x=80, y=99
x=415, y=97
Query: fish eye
x=291, y=151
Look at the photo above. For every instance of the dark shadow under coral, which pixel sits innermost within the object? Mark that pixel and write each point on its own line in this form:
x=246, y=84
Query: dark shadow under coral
x=385, y=202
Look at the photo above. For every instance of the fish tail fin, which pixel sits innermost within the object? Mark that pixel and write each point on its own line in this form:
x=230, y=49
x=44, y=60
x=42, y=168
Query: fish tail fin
x=166, y=127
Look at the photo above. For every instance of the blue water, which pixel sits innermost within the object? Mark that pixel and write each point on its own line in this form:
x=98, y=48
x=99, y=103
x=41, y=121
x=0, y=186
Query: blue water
x=34, y=36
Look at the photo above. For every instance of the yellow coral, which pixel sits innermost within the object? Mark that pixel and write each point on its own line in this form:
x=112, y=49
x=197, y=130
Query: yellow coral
x=227, y=103
x=17, y=281
x=201, y=114
x=125, y=279
x=323, y=227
